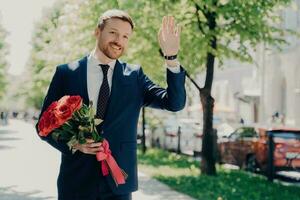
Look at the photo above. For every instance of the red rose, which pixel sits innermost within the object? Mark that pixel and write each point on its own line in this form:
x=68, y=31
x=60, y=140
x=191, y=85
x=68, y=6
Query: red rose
x=52, y=106
x=58, y=113
x=53, y=121
x=64, y=113
x=63, y=100
x=47, y=123
x=41, y=127
x=75, y=102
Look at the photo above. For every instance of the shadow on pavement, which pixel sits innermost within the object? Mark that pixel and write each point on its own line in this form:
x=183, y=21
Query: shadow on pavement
x=2, y=147
x=8, y=193
x=5, y=131
x=8, y=138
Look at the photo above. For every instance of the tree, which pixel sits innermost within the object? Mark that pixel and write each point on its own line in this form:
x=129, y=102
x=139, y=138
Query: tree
x=3, y=62
x=231, y=29
x=61, y=36
x=213, y=31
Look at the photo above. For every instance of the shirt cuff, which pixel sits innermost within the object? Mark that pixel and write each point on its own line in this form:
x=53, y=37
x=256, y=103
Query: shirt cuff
x=175, y=69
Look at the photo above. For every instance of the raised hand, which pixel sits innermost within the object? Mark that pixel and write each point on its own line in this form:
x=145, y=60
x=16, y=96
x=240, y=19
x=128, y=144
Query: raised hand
x=169, y=36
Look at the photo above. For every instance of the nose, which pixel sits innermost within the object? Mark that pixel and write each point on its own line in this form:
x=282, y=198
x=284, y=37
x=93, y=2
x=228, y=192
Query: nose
x=118, y=40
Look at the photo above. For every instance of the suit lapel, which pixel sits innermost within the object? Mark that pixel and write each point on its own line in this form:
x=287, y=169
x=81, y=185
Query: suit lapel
x=83, y=79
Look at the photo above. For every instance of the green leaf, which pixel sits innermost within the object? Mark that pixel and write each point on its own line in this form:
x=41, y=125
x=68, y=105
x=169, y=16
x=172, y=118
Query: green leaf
x=81, y=138
x=98, y=121
x=55, y=136
x=72, y=142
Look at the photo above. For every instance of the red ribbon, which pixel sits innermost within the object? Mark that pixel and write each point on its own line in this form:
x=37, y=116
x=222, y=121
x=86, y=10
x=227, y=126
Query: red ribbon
x=109, y=164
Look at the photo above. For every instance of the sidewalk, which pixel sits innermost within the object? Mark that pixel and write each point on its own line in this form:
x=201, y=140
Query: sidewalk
x=29, y=168
x=151, y=189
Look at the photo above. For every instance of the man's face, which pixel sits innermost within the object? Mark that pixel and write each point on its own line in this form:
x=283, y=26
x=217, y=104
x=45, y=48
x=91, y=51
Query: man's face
x=113, y=39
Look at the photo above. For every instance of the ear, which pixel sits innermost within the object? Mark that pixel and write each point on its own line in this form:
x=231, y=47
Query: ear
x=97, y=32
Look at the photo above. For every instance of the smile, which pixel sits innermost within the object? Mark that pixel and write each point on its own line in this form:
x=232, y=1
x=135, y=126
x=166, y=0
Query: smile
x=116, y=47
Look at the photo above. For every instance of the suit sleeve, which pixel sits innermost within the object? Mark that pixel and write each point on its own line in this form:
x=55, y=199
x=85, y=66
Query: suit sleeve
x=55, y=92
x=172, y=99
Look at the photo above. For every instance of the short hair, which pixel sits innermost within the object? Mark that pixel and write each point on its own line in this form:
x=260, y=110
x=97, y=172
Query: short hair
x=114, y=13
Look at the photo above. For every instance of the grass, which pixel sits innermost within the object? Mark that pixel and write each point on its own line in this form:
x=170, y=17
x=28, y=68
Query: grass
x=182, y=174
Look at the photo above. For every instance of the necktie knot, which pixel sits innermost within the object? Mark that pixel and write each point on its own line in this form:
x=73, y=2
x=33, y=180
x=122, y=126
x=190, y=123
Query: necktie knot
x=104, y=68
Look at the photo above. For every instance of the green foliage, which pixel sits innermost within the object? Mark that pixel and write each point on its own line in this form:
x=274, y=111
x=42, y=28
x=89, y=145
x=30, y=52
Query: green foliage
x=65, y=33
x=227, y=185
x=230, y=185
x=156, y=157
x=3, y=63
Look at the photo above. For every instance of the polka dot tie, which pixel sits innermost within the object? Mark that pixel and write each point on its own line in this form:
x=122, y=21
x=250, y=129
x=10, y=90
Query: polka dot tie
x=103, y=94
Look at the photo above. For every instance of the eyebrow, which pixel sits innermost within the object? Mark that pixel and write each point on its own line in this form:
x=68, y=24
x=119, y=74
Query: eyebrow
x=118, y=30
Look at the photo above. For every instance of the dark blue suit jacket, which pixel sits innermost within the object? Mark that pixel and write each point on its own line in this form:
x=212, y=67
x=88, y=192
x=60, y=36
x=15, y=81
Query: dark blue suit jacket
x=131, y=90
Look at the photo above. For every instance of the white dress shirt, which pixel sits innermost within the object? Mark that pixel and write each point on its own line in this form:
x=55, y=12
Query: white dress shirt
x=95, y=77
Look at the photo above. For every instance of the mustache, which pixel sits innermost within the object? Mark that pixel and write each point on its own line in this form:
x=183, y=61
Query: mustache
x=116, y=44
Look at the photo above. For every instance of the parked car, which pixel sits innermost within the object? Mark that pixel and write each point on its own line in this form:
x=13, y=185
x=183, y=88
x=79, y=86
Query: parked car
x=191, y=138
x=157, y=137
x=198, y=135
x=171, y=137
x=190, y=133
x=286, y=149
x=224, y=130
x=147, y=134
x=186, y=132
x=248, y=148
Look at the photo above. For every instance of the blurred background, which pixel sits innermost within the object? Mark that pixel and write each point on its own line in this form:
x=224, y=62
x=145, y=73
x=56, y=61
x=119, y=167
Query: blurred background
x=238, y=136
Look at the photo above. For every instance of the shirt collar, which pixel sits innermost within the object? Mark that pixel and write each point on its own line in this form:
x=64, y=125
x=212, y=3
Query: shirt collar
x=95, y=62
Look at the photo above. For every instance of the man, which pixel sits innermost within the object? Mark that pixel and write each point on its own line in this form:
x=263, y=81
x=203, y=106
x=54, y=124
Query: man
x=118, y=91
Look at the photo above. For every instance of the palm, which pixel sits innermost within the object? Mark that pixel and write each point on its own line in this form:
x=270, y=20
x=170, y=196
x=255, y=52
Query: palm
x=169, y=36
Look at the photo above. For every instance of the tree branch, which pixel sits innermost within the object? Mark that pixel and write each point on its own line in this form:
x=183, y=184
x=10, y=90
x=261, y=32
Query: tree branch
x=210, y=56
x=193, y=81
x=198, y=8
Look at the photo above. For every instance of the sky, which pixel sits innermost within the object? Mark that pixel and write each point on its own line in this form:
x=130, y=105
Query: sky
x=18, y=17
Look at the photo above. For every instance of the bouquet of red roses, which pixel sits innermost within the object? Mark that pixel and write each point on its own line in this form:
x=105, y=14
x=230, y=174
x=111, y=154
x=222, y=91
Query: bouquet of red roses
x=70, y=120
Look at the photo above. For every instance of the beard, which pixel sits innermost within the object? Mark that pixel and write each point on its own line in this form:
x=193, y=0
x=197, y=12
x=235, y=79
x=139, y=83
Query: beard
x=109, y=51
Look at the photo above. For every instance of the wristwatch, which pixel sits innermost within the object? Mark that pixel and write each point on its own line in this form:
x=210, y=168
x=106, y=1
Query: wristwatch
x=171, y=57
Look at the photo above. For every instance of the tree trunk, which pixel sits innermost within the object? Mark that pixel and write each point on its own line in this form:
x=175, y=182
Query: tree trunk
x=209, y=139
x=208, y=142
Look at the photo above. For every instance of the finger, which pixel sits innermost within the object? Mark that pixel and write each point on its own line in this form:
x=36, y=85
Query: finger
x=94, y=145
x=101, y=149
x=89, y=141
x=164, y=24
x=160, y=40
x=93, y=150
x=168, y=24
x=178, y=30
x=172, y=25
x=175, y=30
x=90, y=152
x=160, y=36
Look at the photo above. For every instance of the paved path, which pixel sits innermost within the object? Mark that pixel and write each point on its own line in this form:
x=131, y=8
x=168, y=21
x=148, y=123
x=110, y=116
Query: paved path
x=29, y=168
